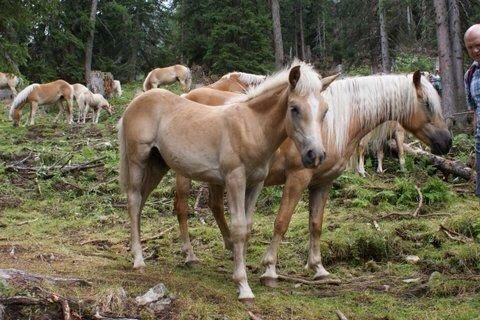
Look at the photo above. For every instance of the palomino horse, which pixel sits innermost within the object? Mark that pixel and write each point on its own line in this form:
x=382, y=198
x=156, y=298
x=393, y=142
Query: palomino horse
x=229, y=147
x=375, y=140
x=358, y=106
x=9, y=80
x=38, y=94
x=211, y=97
x=237, y=82
x=94, y=101
x=168, y=75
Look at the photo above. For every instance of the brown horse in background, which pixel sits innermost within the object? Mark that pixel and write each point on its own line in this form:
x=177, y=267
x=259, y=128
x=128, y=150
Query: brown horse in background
x=168, y=75
x=237, y=82
x=211, y=97
x=55, y=92
x=229, y=147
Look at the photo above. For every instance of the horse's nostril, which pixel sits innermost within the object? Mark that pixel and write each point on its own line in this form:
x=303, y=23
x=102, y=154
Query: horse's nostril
x=310, y=155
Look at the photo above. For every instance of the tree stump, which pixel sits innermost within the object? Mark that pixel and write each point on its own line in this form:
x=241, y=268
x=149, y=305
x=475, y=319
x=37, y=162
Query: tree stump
x=102, y=83
x=6, y=94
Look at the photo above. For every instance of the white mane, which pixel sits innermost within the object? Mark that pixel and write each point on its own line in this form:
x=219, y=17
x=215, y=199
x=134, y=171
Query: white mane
x=309, y=82
x=22, y=96
x=247, y=78
x=371, y=99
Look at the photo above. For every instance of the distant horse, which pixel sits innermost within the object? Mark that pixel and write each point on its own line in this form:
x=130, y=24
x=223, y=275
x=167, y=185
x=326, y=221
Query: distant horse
x=94, y=101
x=37, y=94
x=237, y=82
x=117, y=88
x=211, y=97
x=78, y=90
x=9, y=80
x=227, y=146
x=375, y=141
x=358, y=105
x=168, y=75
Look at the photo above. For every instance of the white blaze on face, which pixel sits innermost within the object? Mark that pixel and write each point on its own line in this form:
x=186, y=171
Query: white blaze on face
x=314, y=108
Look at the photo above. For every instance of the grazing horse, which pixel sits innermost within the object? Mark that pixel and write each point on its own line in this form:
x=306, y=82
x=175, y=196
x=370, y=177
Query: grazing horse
x=94, y=101
x=237, y=82
x=38, y=94
x=375, y=141
x=9, y=80
x=229, y=147
x=168, y=75
x=358, y=105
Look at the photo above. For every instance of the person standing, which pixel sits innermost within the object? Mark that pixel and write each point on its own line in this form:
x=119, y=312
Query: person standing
x=472, y=88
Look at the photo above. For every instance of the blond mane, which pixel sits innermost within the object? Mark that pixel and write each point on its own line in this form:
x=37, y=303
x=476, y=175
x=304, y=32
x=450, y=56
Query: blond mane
x=370, y=99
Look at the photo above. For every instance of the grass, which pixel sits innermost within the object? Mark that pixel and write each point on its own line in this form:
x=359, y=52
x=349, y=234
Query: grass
x=46, y=220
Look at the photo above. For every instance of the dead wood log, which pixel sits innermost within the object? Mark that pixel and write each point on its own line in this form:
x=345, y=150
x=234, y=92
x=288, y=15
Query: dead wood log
x=454, y=167
x=12, y=274
x=22, y=300
x=102, y=83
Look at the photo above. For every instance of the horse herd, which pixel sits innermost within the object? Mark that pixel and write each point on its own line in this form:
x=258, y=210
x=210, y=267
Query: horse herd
x=244, y=132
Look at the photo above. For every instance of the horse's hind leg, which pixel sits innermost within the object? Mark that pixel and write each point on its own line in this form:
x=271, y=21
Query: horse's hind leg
x=60, y=106
x=69, y=111
x=215, y=202
x=181, y=209
x=144, y=176
x=380, y=156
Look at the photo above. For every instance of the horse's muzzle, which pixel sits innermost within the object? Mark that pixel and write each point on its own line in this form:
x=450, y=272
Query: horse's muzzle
x=440, y=142
x=312, y=158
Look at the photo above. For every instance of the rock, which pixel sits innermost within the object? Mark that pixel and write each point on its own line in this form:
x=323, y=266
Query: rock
x=152, y=295
x=160, y=305
x=435, y=277
x=412, y=259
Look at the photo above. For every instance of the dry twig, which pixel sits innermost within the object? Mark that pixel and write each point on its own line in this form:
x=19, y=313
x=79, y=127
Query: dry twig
x=309, y=282
x=340, y=315
x=420, y=202
x=455, y=235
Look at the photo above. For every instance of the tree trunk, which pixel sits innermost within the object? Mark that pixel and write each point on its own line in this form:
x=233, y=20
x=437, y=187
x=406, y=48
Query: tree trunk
x=89, y=45
x=302, y=35
x=383, y=38
x=457, y=57
x=445, y=58
x=277, y=34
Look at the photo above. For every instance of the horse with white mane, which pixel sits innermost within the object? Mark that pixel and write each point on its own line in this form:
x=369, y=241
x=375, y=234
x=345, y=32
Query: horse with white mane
x=55, y=92
x=230, y=147
x=358, y=105
x=88, y=100
x=9, y=80
x=237, y=82
x=168, y=75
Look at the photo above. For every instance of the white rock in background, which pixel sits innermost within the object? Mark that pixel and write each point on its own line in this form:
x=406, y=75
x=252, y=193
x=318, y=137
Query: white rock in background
x=412, y=259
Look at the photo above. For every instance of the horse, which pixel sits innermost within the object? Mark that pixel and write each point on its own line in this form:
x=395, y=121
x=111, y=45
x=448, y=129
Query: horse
x=375, y=140
x=9, y=80
x=358, y=105
x=38, y=94
x=96, y=102
x=229, y=147
x=237, y=82
x=168, y=75
x=211, y=97
x=117, y=88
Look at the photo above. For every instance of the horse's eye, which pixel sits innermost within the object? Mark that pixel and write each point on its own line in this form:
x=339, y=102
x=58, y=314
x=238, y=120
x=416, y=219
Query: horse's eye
x=295, y=110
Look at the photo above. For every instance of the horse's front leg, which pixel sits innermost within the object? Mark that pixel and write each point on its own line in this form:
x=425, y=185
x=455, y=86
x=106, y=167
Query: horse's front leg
x=318, y=196
x=400, y=138
x=33, y=111
x=292, y=192
x=236, y=184
x=180, y=208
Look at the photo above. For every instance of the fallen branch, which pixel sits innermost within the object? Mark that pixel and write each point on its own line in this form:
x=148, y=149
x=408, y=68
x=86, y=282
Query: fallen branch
x=158, y=236
x=23, y=300
x=18, y=224
x=309, y=282
x=455, y=235
x=340, y=315
x=454, y=167
x=12, y=274
x=253, y=316
x=420, y=202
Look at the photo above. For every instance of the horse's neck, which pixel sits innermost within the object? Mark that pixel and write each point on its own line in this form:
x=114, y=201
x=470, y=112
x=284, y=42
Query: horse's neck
x=270, y=109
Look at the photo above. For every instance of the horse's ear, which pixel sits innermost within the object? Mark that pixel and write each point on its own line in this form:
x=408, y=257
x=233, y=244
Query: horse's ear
x=328, y=80
x=294, y=76
x=417, y=79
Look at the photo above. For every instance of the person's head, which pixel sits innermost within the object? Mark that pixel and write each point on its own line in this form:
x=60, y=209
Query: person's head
x=472, y=42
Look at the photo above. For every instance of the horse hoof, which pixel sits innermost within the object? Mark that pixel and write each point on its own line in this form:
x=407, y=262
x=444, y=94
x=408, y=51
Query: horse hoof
x=248, y=302
x=269, y=282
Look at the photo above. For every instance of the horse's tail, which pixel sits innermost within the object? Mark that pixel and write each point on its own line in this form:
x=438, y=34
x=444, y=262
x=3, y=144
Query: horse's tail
x=22, y=97
x=123, y=170
x=146, y=84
